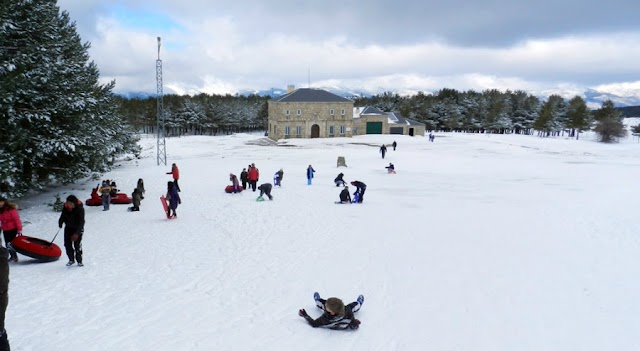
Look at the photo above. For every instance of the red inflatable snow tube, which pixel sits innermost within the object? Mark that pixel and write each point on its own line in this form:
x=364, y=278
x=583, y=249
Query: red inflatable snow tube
x=36, y=248
x=229, y=189
x=120, y=198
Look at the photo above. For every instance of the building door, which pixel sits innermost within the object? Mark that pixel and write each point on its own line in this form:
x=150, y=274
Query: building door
x=396, y=130
x=411, y=132
x=374, y=127
x=315, y=131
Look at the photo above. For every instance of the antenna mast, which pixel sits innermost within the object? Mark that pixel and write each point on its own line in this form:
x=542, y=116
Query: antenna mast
x=162, y=149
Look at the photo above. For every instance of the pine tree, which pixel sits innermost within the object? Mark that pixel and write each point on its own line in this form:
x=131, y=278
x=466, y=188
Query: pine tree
x=578, y=114
x=63, y=123
x=609, y=124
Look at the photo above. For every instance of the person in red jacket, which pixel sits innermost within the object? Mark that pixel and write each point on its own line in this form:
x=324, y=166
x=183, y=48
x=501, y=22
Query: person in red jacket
x=253, y=175
x=10, y=224
x=175, y=172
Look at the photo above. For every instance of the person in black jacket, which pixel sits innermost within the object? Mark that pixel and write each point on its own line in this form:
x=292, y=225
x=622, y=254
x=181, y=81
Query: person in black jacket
x=4, y=297
x=383, y=150
x=339, y=181
x=394, y=145
x=265, y=189
x=244, y=178
x=336, y=315
x=345, y=197
x=72, y=217
x=360, y=189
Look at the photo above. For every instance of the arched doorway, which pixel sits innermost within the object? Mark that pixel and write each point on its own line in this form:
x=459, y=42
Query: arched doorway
x=315, y=131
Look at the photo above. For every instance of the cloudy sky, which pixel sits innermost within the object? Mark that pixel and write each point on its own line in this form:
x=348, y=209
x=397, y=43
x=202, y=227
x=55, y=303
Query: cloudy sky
x=376, y=45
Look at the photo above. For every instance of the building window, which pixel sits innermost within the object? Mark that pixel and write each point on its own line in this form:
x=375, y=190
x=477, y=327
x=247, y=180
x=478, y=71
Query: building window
x=287, y=112
x=299, y=112
x=298, y=131
x=343, y=112
x=287, y=130
x=342, y=130
x=331, y=112
x=354, y=130
x=330, y=130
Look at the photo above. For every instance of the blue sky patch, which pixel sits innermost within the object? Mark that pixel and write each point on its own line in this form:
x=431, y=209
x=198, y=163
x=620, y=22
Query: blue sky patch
x=140, y=19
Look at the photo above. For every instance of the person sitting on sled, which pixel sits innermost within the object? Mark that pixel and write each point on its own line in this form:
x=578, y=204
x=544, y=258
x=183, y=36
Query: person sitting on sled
x=391, y=168
x=345, y=197
x=235, y=184
x=339, y=181
x=335, y=314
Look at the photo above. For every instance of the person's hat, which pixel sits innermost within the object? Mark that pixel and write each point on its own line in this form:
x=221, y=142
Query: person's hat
x=2, y=198
x=335, y=305
x=346, y=187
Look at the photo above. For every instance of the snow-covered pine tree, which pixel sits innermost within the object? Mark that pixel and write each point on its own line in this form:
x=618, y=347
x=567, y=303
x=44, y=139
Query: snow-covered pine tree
x=609, y=124
x=63, y=122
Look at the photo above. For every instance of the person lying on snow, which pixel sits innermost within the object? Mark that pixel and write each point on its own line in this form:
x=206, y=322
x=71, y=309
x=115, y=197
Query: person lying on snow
x=336, y=315
x=345, y=197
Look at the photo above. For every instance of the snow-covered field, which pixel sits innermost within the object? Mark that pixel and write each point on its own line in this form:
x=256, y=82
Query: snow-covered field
x=479, y=242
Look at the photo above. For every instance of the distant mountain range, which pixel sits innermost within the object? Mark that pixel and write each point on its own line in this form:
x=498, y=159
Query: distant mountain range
x=593, y=97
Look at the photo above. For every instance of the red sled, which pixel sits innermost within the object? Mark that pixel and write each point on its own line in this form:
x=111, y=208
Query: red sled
x=118, y=199
x=229, y=189
x=165, y=206
x=36, y=248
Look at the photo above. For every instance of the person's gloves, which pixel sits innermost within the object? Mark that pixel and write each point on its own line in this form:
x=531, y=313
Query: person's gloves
x=59, y=224
x=302, y=313
x=355, y=324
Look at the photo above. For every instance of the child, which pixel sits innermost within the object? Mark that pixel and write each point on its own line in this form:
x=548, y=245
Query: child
x=175, y=173
x=136, y=197
x=105, y=194
x=244, y=178
x=140, y=188
x=173, y=198
x=278, y=178
x=310, y=172
x=336, y=315
x=265, y=189
x=345, y=197
x=235, y=185
x=339, y=181
x=391, y=168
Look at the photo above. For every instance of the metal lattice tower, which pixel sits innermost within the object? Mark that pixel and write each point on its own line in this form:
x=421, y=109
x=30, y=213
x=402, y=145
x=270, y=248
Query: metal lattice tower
x=162, y=149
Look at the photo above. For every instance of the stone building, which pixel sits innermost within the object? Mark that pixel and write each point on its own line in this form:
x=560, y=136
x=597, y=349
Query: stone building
x=316, y=113
x=309, y=113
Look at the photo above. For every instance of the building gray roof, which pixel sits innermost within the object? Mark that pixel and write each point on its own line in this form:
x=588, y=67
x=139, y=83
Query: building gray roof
x=370, y=110
x=311, y=95
x=396, y=118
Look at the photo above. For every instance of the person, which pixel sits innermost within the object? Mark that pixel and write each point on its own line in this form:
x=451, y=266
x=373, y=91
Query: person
x=394, y=145
x=114, y=189
x=431, y=136
x=72, y=217
x=174, y=199
x=339, y=180
x=345, y=197
x=360, y=189
x=391, y=168
x=11, y=226
x=335, y=314
x=244, y=178
x=265, y=189
x=278, y=178
x=105, y=194
x=253, y=176
x=383, y=150
x=235, y=185
x=140, y=187
x=135, y=197
x=4, y=298
x=175, y=172
x=310, y=172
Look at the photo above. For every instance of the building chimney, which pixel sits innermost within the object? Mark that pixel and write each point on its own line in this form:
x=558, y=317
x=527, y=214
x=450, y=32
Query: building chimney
x=290, y=88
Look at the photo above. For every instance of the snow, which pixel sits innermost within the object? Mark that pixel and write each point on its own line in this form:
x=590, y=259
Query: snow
x=479, y=242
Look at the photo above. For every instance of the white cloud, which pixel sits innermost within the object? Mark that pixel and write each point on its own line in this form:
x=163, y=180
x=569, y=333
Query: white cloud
x=219, y=53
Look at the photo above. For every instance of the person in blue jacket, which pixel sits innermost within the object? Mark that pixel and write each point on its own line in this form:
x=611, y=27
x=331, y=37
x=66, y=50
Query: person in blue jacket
x=310, y=172
x=173, y=198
